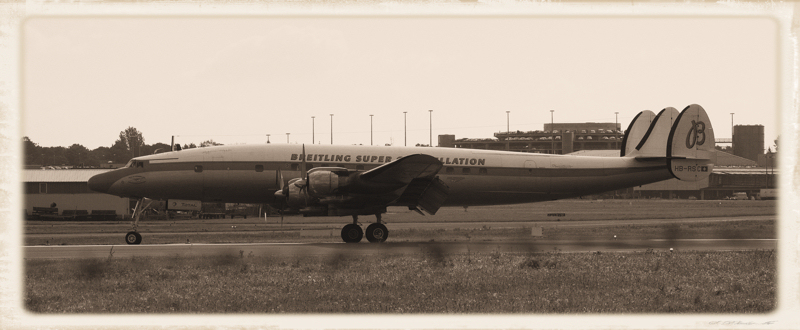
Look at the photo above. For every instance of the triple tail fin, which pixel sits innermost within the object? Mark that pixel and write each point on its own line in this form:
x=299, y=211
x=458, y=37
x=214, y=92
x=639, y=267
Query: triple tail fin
x=690, y=147
x=636, y=130
x=652, y=143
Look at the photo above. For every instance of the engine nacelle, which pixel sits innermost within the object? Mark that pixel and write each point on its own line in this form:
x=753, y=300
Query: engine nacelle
x=296, y=197
x=325, y=181
x=322, y=183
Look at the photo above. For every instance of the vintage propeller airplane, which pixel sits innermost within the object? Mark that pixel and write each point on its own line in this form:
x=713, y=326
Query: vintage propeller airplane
x=331, y=180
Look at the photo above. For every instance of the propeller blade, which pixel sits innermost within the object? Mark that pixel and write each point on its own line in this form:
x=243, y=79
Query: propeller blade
x=279, y=179
x=303, y=164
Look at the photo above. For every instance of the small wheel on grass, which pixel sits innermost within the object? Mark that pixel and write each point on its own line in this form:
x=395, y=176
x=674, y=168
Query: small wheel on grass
x=377, y=233
x=133, y=238
x=352, y=233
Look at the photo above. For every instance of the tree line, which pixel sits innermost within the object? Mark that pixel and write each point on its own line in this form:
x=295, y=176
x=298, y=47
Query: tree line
x=130, y=144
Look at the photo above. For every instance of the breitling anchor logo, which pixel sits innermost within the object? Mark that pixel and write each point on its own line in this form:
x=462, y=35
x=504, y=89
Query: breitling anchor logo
x=696, y=135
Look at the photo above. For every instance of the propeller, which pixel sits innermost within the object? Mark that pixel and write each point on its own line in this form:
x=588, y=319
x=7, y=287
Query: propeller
x=281, y=193
x=304, y=173
x=303, y=164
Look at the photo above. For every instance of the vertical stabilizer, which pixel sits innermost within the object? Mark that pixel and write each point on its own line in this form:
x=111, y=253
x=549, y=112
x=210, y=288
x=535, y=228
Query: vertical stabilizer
x=690, y=147
x=652, y=143
x=635, y=131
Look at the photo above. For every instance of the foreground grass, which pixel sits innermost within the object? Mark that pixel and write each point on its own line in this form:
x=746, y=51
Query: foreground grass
x=645, y=282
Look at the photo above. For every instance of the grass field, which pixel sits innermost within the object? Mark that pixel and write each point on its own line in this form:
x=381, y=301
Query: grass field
x=644, y=282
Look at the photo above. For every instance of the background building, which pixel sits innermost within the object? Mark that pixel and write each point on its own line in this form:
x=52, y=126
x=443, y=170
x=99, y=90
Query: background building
x=556, y=138
x=69, y=190
x=749, y=170
x=748, y=141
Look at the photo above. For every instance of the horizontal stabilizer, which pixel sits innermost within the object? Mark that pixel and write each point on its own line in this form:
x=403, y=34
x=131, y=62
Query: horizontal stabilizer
x=690, y=147
x=635, y=131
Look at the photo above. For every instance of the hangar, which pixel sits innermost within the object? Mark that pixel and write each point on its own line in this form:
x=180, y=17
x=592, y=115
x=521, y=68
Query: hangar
x=68, y=191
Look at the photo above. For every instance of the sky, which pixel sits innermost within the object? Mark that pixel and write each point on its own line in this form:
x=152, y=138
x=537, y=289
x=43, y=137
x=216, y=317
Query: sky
x=234, y=80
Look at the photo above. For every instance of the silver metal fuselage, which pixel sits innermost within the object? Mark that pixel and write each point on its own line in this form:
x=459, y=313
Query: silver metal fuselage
x=251, y=173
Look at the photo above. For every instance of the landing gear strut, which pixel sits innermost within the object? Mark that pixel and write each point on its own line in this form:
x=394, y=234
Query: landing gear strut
x=133, y=237
x=376, y=232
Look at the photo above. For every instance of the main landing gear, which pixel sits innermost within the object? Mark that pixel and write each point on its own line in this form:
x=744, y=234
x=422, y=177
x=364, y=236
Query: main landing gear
x=376, y=232
x=133, y=237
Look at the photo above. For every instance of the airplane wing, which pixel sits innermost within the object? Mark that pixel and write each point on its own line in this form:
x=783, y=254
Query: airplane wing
x=416, y=174
x=342, y=191
x=403, y=170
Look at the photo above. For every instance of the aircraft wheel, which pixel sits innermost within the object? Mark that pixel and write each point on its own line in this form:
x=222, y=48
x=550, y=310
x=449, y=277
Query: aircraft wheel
x=133, y=238
x=352, y=233
x=377, y=233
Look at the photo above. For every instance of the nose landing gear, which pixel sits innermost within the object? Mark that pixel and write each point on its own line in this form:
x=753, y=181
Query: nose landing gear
x=133, y=237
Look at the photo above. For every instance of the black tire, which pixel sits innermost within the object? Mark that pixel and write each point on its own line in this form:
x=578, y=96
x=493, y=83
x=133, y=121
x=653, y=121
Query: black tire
x=352, y=233
x=377, y=233
x=133, y=238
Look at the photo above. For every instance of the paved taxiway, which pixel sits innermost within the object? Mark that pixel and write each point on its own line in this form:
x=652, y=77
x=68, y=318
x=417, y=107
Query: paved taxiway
x=273, y=224
x=299, y=249
x=532, y=245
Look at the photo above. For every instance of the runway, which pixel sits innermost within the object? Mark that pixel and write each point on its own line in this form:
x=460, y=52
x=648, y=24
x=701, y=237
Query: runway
x=310, y=249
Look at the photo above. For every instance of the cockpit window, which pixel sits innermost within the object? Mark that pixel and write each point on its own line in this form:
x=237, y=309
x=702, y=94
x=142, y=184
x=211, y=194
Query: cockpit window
x=135, y=163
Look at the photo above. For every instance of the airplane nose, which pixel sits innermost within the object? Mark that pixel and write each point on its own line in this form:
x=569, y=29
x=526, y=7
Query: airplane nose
x=101, y=182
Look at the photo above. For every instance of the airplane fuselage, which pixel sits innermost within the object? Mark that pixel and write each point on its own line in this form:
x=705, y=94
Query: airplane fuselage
x=251, y=173
x=317, y=180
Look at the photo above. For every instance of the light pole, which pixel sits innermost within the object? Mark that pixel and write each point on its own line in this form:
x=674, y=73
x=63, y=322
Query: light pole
x=331, y=128
x=267, y=138
x=405, y=130
x=508, y=129
x=553, y=137
x=370, y=129
x=130, y=145
x=430, y=143
x=616, y=128
x=287, y=137
x=312, y=130
x=732, y=132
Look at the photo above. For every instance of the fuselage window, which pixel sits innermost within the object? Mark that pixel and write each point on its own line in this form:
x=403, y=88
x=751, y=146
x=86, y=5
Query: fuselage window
x=198, y=168
x=259, y=168
x=483, y=171
x=449, y=170
x=295, y=167
x=466, y=170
